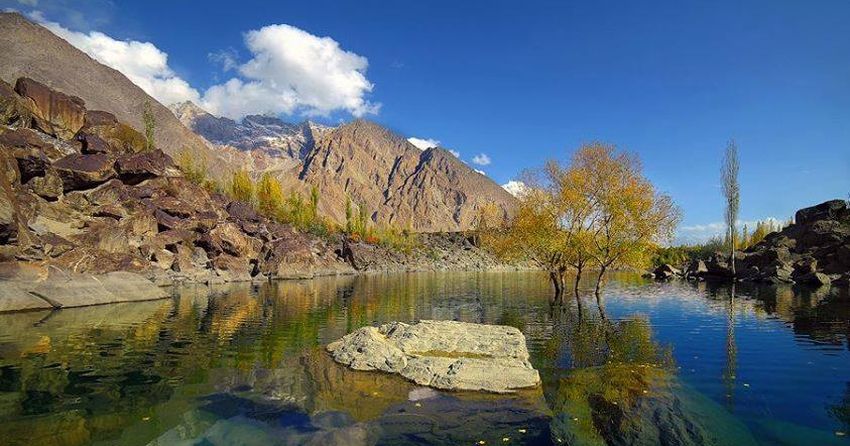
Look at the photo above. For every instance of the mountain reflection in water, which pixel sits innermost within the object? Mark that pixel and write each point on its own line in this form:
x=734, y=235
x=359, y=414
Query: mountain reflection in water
x=675, y=363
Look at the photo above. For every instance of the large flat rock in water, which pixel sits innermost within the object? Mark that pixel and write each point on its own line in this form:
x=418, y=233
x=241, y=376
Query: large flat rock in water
x=60, y=290
x=442, y=354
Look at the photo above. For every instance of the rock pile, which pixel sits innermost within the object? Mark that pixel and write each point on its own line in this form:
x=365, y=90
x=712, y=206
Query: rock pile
x=79, y=190
x=815, y=250
x=442, y=354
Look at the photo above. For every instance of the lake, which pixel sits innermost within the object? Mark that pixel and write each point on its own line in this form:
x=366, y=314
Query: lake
x=244, y=364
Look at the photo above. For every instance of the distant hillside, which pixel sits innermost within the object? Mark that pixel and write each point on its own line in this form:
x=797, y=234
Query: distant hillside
x=429, y=190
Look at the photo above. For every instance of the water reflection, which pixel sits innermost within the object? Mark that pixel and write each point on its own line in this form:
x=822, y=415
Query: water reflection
x=244, y=365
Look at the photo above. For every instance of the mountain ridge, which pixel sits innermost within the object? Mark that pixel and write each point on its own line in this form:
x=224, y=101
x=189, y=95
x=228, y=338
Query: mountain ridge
x=367, y=163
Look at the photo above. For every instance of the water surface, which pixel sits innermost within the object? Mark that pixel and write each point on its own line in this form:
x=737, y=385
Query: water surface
x=243, y=364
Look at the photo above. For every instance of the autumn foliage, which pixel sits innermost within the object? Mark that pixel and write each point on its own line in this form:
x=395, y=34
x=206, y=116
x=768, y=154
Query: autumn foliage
x=598, y=211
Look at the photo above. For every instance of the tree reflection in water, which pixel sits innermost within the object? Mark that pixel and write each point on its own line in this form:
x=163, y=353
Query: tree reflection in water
x=621, y=388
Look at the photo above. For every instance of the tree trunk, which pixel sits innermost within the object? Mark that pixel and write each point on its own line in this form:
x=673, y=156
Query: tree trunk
x=732, y=259
x=575, y=287
x=598, y=292
x=557, y=283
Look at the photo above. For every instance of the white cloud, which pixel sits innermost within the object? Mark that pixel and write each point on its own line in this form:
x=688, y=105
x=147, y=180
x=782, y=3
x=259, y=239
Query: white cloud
x=228, y=59
x=292, y=70
x=702, y=233
x=423, y=144
x=142, y=62
x=481, y=172
x=481, y=159
x=515, y=188
x=454, y=152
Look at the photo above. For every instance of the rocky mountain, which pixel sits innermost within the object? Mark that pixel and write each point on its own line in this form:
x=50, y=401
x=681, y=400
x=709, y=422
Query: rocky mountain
x=253, y=133
x=429, y=190
x=30, y=50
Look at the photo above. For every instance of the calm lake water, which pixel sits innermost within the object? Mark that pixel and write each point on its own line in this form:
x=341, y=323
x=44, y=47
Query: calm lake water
x=244, y=365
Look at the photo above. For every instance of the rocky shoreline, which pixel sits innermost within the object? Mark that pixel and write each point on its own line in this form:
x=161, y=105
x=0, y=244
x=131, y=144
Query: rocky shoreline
x=814, y=251
x=82, y=196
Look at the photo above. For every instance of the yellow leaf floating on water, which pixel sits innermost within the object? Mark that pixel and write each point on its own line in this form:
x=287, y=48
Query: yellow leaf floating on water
x=522, y=431
x=506, y=439
x=746, y=385
x=840, y=433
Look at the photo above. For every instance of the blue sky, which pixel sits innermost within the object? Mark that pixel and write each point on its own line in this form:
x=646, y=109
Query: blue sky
x=525, y=81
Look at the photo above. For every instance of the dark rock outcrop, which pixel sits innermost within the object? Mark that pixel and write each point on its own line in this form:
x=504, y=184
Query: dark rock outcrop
x=815, y=250
x=53, y=112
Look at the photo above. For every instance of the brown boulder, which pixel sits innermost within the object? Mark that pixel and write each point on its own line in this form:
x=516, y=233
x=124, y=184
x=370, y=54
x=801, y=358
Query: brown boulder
x=242, y=211
x=48, y=186
x=121, y=138
x=829, y=210
x=99, y=117
x=814, y=278
x=232, y=269
x=14, y=110
x=93, y=143
x=32, y=153
x=232, y=241
x=55, y=113
x=134, y=169
x=79, y=172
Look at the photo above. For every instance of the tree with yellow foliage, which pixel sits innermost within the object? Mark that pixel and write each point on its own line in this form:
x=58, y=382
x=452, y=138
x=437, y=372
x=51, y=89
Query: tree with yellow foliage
x=269, y=195
x=598, y=211
x=628, y=216
x=548, y=227
x=241, y=186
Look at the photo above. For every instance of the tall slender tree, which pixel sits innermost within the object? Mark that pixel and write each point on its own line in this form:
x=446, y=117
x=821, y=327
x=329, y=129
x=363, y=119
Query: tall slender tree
x=732, y=193
x=149, y=120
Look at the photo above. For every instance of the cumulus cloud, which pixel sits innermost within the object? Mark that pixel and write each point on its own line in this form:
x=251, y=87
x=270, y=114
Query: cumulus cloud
x=423, y=144
x=142, y=62
x=292, y=70
x=515, y=188
x=454, y=152
x=481, y=159
x=480, y=171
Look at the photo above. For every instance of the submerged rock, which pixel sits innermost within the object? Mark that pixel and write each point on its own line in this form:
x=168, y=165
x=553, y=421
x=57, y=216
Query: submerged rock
x=442, y=354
